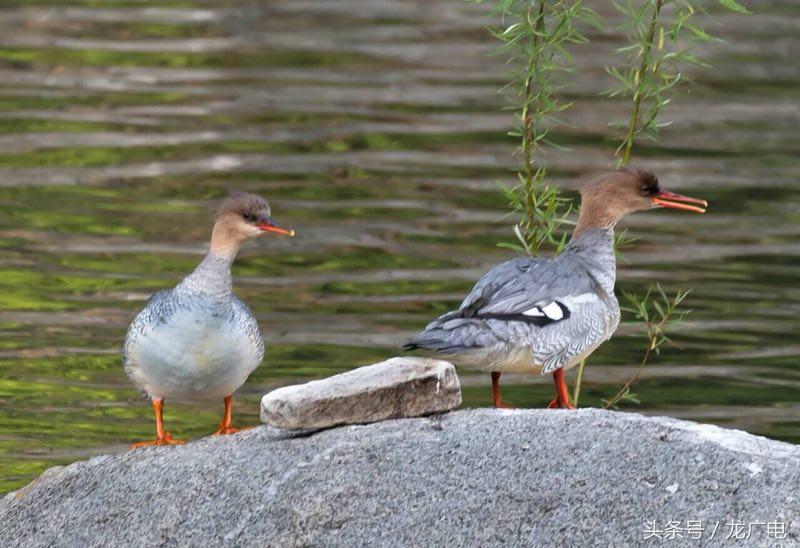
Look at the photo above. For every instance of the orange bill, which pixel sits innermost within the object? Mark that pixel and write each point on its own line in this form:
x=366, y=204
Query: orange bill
x=677, y=201
x=268, y=226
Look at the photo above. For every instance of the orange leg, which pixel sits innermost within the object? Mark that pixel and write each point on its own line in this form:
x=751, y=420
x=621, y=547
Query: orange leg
x=562, y=396
x=162, y=438
x=498, y=403
x=227, y=419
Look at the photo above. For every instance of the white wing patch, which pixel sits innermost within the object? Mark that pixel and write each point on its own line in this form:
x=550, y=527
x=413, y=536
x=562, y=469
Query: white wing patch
x=535, y=311
x=552, y=312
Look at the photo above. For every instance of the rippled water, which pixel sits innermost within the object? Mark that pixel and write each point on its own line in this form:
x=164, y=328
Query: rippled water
x=375, y=130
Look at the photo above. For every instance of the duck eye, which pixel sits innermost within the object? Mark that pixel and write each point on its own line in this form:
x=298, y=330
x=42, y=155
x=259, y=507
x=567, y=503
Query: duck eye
x=248, y=216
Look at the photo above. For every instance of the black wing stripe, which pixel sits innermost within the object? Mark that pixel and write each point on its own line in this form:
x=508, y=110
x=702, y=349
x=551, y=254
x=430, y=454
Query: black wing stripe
x=539, y=321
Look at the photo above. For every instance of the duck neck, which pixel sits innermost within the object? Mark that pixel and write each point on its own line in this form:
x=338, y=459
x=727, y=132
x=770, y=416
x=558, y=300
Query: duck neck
x=224, y=241
x=594, y=247
x=595, y=213
x=212, y=277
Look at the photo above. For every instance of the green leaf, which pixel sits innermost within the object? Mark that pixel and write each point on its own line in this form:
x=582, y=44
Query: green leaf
x=509, y=245
x=658, y=309
x=699, y=33
x=631, y=396
x=733, y=5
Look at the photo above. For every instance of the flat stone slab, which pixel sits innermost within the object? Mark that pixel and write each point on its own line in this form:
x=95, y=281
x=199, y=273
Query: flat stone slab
x=469, y=478
x=395, y=388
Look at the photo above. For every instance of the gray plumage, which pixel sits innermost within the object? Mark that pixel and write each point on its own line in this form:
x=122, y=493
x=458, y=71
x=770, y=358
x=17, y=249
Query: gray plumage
x=196, y=341
x=534, y=315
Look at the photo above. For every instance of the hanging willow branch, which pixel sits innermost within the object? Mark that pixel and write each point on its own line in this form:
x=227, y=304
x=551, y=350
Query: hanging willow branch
x=658, y=52
x=655, y=61
x=535, y=36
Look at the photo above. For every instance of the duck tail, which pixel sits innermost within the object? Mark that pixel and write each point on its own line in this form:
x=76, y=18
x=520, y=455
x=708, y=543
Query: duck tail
x=443, y=335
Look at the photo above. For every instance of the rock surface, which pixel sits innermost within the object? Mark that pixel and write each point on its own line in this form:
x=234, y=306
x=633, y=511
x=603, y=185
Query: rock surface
x=395, y=388
x=477, y=477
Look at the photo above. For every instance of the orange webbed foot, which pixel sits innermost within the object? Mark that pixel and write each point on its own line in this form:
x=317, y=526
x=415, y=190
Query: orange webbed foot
x=225, y=427
x=498, y=403
x=225, y=430
x=556, y=404
x=166, y=439
x=562, y=396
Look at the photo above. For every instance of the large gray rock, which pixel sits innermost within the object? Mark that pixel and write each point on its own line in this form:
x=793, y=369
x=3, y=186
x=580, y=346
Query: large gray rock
x=395, y=388
x=482, y=477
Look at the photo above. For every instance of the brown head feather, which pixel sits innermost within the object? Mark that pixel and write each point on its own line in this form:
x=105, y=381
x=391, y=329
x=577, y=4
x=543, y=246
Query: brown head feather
x=608, y=198
x=236, y=220
x=244, y=204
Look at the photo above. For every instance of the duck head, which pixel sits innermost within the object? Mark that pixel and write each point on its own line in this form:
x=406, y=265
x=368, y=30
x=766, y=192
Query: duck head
x=608, y=198
x=242, y=217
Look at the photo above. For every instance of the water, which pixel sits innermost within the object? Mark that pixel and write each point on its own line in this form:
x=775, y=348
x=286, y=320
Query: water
x=375, y=130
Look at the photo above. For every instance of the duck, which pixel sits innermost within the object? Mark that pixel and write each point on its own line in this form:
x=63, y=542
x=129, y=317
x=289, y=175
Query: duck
x=545, y=315
x=198, y=341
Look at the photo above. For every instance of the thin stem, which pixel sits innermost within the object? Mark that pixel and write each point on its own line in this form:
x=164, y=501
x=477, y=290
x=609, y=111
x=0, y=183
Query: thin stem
x=528, y=144
x=637, y=97
x=576, y=394
x=625, y=387
x=528, y=124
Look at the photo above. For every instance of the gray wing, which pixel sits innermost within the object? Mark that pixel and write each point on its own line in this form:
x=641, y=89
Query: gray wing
x=522, y=302
x=518, y=285
x=156, y=310
x=250, y=325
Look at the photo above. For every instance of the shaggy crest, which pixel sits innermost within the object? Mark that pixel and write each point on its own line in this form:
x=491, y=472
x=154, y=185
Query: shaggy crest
x=249, y=206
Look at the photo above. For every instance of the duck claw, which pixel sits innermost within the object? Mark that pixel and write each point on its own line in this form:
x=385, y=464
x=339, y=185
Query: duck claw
x=167, y=439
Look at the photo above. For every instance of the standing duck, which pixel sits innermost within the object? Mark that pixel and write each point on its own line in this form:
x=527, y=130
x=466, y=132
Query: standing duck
x=198, y=341
x=536, y=315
